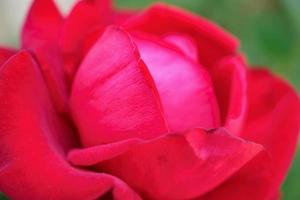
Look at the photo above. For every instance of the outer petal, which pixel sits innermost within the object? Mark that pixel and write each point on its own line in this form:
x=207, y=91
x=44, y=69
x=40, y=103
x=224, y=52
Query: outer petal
x=273, y=120
x=85, y=17
x=230, y=83
x=5, y=53
x=184, y=86
x=32, y=164
x=118, y=17
x=84, y=25
x=252, y=181
x=121, y=16
x=113, y=96
x=42, y=25
x=178, y=166
x=93, y=155
x=213, y=43
x=40, y=35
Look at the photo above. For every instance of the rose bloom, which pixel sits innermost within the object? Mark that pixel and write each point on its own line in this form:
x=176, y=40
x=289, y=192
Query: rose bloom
x=126, y=105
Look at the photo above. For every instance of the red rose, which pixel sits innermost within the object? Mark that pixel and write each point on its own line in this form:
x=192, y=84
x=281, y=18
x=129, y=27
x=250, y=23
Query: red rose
x=160, y=105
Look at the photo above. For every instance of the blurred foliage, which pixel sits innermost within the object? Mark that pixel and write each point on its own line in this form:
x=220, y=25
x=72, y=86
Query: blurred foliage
x=291, y=187
x=269, y=31
x=2, y=197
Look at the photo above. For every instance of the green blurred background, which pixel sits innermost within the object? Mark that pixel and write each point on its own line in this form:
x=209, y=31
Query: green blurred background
x=269, y=31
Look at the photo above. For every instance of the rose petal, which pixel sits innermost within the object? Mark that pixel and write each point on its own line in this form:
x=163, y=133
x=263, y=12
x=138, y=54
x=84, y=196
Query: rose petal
x=86, y=16
x=186, y=44
x=273, y=120
x=118, y=17
x=230, y=83
x=93, y=155
x=114, y=97
x=121, y=191
x=178, y=166
x=5, y=53
x=42, y=24
x=40, y=35
x=184, y=86
x=87, y=19
x=252, y=181
x=213, y=42
x=121, y=16
x=32, y=162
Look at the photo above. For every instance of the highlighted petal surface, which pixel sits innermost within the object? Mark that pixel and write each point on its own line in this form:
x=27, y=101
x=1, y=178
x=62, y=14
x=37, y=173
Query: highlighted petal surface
x=184, y=86
x=114, y=97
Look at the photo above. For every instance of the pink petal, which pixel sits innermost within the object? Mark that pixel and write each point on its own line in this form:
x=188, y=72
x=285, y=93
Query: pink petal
x=213, y=43
x=186, y=44
x=114, y=97
x=40, y=35
x=230, y=82
x=178, y=166
x=273, y=120
x=184, y=86
x=32, y=159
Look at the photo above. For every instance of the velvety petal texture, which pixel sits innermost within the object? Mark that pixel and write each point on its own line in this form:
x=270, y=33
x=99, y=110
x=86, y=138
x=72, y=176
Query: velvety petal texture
x=32, y=158
x=119, y=100
x=184, y=86
x=129, y=105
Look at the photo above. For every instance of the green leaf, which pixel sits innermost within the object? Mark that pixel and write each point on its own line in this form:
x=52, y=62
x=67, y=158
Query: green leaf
x=3, y=197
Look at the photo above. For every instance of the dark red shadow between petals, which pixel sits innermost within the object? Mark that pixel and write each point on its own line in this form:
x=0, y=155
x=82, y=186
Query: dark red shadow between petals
x=230, y=83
